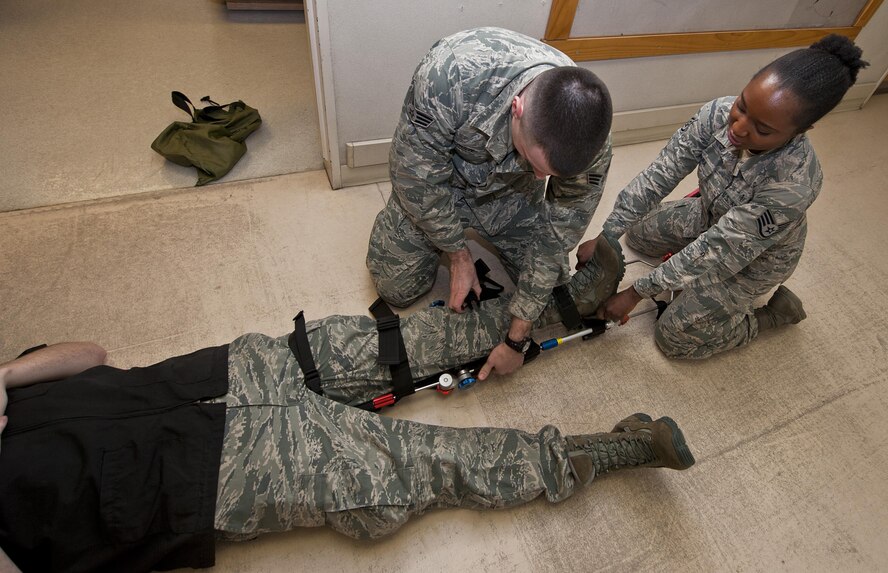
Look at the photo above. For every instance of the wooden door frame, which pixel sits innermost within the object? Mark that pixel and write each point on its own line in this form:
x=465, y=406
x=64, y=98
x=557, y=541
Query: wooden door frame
x=562, y=13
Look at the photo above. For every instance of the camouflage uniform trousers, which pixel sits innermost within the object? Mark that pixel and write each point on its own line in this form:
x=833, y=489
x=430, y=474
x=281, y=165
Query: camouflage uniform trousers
x=404, y=263
x=292, y=458
x=705, y=320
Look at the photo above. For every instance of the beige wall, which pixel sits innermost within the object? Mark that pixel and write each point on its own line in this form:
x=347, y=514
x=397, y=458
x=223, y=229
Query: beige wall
x=369, y=50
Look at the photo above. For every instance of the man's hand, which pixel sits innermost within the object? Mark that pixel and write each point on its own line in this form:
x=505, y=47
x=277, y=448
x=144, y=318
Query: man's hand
x=585, y=252
x=502, y=359
x=463, y=279
x=618, y=306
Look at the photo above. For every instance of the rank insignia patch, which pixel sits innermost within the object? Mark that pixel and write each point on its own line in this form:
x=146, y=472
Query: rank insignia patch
x=594, y=178
x=420, y=119
x=766, y=224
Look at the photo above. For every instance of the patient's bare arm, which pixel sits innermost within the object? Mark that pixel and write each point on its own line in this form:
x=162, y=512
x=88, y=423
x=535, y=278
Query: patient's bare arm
x=51, y=363
x=7, y=566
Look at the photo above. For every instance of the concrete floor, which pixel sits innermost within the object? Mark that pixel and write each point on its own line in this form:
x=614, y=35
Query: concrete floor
x=86, y=89
x=789, y=433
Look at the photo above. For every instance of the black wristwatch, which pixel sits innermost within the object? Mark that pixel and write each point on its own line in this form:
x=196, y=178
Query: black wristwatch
x=519, y=345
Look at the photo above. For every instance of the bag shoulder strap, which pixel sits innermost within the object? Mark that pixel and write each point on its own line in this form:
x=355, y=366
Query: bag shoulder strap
x=182, y=102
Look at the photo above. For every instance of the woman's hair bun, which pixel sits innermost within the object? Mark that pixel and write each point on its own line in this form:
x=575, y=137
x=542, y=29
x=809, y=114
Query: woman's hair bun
x=844, y=49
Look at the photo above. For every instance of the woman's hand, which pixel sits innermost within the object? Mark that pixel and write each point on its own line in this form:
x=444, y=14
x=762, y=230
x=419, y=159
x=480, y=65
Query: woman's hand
x=585, y=252
x=618, y=306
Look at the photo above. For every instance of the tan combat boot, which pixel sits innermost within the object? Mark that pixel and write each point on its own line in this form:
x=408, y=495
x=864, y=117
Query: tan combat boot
x=636, y=441
x=784, y=307
x=594, y=283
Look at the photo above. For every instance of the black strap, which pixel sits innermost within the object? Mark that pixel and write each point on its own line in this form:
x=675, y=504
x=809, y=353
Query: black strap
x=392, y=351
x=598, y=326
x=388, y=324
x=662, y=305
x=225, y=107
x=298, y=343
x=532, y=352
x=182, y=102
x=489, y=287
x=570, y=316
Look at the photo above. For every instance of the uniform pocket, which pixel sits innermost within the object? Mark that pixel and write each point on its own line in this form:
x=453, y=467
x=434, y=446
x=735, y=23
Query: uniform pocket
x=141, y=495
x=344, y=490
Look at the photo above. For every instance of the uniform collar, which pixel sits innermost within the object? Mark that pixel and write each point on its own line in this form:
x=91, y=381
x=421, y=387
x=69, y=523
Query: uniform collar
x=722, y=137
x=754, y=158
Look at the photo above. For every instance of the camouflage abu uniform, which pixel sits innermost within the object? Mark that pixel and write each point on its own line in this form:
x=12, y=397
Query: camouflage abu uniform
x=292, y=458
x=743, y=236
x=453, y=166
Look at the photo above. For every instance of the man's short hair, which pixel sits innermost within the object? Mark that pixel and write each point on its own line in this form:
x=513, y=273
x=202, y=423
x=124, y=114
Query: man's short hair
x=570, y=116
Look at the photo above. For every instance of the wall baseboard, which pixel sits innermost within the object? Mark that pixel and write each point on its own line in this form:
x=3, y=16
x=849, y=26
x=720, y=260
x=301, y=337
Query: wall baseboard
x=367, y=160
x=354, y=176
x=364, y=153
x=264, y=5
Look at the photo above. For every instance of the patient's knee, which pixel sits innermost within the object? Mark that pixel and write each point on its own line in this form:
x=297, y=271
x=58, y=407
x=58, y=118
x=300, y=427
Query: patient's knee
x=675, y=343
x=368, y=522
x=398, y=294
x=639, y=243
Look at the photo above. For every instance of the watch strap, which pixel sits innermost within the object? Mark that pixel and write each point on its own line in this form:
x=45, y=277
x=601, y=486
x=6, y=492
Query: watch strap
x=517, y=345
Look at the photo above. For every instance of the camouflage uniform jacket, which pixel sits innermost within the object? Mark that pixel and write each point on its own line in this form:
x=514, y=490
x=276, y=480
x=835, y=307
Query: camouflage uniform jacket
x=454, y=136
x=751, y=207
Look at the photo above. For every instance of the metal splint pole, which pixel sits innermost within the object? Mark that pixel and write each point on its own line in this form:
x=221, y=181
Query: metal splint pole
x=445, y=382
x=598, y=326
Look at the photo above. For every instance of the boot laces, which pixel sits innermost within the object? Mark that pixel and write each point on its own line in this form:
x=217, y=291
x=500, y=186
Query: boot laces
x=585, y=281
x=628, y=449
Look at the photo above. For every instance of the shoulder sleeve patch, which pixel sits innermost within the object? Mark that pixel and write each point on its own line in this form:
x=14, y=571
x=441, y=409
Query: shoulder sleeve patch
x=419, y=118
x=594, y=179
x=767, y=226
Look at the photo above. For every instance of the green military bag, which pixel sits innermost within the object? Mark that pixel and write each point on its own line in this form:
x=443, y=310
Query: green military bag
x=214, y=140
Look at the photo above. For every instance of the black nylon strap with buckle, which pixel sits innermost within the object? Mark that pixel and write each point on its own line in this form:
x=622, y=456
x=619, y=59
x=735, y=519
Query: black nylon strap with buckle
x=298, y=343
x=489, y=287
x=390, y=343
x=392, y=351
x=570, y=316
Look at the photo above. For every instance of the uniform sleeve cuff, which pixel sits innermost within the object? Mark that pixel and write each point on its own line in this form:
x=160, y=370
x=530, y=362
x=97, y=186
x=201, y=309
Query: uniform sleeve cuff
x=646, y=287
x=451, y=244
x=612, y=229
x=525, y=307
